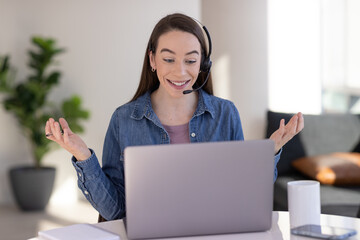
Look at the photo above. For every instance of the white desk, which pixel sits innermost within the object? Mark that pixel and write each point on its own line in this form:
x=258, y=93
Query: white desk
x=280, y=229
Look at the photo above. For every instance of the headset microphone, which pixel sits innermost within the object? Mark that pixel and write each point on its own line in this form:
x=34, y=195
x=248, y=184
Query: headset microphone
x=206, y=79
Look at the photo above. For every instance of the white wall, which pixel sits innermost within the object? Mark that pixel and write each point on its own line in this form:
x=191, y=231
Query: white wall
x=105, y=42
x=239, y=32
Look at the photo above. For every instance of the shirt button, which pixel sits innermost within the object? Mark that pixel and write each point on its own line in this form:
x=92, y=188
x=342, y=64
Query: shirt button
x=79, y=174
x=193, y=135
x=86, y=192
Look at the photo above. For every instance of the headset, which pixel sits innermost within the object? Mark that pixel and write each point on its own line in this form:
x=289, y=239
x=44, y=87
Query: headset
x=205, y=65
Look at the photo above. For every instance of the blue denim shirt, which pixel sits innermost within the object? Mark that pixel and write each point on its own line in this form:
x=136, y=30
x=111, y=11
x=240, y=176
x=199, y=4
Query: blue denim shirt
x=136, y=123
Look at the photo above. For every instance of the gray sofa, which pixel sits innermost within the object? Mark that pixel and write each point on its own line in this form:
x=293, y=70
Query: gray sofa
x=323, y=134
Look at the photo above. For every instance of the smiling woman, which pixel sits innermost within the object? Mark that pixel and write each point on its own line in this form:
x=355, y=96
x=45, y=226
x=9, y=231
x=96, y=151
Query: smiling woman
x=174, y=103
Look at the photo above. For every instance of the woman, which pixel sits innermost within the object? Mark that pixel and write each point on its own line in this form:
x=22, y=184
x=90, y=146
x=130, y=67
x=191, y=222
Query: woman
x=176, y=60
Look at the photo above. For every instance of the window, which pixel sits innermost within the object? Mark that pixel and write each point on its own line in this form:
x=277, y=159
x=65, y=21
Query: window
x=341, y=55
x=314, y=55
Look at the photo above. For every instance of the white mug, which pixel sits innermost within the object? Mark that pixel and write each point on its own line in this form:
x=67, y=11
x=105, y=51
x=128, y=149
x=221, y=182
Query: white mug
x=304, y=202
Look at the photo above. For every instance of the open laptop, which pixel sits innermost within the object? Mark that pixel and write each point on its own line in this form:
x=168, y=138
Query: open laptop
x=199, y=189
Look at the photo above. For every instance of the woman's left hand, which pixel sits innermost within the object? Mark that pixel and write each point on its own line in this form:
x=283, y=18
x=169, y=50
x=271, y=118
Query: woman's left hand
x=286, y=132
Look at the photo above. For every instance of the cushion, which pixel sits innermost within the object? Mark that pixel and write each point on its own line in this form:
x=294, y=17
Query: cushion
x=335, y=168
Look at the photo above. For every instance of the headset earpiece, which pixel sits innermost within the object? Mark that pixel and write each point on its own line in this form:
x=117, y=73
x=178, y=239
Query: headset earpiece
x=206, y=65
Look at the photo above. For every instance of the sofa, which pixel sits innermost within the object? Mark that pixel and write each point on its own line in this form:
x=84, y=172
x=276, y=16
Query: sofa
x=313, y=154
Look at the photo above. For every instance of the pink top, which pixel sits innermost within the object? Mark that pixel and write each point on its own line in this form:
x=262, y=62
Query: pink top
x=179, y=133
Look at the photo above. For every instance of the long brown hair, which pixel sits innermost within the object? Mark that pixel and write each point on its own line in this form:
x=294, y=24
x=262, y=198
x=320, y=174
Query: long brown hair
x=177, y=21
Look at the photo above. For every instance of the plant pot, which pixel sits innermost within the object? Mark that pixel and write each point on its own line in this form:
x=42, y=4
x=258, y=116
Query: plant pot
x=32, y=187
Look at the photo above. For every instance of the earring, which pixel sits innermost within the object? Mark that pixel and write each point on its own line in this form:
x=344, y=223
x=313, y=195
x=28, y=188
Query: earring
x=153, y=69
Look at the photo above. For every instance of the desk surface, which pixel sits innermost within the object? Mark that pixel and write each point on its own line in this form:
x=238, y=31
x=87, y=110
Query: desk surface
x=280, y=229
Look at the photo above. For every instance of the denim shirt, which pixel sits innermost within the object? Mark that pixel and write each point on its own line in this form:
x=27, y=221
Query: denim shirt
x=136, y=123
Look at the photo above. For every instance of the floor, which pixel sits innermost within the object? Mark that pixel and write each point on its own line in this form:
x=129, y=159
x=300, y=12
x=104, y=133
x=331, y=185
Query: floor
x=18, y=225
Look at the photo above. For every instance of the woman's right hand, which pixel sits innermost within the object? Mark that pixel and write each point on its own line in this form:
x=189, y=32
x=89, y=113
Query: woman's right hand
x=67, y=140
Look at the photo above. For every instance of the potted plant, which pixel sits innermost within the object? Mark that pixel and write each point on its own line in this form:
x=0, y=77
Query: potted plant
x=28, y=102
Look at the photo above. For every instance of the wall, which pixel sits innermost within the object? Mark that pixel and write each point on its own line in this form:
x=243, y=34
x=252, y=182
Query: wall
x=239, y=32
x=105, y=43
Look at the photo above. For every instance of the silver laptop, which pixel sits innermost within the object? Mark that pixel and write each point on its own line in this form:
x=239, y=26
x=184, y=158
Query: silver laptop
x=199, y=189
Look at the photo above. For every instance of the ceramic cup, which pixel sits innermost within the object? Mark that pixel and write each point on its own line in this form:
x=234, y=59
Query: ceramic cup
x=303, y=202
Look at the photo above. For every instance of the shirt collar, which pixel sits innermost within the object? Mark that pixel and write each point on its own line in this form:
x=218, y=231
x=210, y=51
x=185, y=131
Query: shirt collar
x=204, y=104
x=143, y=107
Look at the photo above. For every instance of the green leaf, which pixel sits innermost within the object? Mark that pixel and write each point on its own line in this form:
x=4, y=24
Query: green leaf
x=47, y=45
x=6, y=77
x=44, y=44
x=53, y=78
x=4, y=64
x=35, y=57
